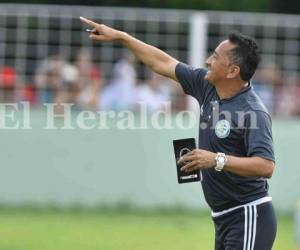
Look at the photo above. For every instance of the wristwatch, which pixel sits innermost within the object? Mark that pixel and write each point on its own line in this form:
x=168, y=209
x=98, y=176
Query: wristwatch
x=221, y=160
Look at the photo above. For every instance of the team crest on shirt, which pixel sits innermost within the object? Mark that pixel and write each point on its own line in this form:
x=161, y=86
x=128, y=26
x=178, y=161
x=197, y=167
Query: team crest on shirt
x=222, y=128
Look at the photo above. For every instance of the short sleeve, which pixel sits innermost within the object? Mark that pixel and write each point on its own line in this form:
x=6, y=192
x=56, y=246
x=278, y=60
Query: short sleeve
x=258, y=135
x=192, y=80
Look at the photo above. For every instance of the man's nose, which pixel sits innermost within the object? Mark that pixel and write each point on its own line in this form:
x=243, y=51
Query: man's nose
x=207, y=61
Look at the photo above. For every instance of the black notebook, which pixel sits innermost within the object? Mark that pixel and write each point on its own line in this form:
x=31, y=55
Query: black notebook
x=181, y=147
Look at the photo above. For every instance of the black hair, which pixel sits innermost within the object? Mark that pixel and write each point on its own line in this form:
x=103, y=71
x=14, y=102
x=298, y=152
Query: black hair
x=245, y=54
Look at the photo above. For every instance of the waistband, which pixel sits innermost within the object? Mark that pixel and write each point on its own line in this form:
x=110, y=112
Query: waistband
x=252, y=203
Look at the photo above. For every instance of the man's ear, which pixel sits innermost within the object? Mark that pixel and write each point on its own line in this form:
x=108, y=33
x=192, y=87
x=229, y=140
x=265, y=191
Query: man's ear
x=233, y=71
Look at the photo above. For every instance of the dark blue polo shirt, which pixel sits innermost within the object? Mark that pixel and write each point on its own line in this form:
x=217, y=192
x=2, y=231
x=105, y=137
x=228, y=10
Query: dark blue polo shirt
x=238, y=126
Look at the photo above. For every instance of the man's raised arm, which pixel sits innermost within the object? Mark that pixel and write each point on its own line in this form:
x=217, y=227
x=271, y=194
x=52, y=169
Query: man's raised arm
x=159, y=61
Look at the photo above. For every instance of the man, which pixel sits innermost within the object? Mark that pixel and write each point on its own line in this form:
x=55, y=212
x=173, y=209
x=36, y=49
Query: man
x=119, y=93
x=235, y=151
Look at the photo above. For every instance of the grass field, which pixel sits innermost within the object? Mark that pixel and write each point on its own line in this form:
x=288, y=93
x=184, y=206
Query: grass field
x=33, y=229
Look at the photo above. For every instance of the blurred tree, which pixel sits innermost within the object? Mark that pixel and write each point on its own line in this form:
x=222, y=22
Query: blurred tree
x=230, y=5
x=280, y=6
x=286, y=6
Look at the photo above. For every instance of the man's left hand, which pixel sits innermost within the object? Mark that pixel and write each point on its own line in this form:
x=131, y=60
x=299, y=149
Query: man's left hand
x=197, y=159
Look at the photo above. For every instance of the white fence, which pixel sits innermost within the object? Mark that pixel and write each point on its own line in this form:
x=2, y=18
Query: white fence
x=29, y=33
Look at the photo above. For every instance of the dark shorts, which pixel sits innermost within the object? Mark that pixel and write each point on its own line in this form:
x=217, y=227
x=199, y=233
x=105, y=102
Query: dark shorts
x=250, y=227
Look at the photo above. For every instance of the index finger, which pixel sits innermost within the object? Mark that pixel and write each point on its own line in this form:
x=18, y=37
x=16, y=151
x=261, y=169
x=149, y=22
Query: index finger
x=189, y=153
x=187, y=158
x=182, y=158
x=88, y=21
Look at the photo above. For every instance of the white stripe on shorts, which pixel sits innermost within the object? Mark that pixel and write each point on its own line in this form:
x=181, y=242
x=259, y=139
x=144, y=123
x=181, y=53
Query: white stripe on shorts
x=250, y=227
x=246, y=227
x=254, y=226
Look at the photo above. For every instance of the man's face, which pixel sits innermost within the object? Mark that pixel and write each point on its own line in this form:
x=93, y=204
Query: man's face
x=218, y=63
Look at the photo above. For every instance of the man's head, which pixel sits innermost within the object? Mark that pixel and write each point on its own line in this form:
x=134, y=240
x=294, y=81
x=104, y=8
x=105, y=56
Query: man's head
x=234, y=59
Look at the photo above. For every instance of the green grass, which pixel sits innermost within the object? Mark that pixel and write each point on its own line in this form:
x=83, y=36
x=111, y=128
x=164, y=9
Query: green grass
x=34, y=229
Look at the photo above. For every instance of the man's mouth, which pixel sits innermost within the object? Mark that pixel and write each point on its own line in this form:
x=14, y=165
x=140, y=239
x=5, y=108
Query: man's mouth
x=208, y=72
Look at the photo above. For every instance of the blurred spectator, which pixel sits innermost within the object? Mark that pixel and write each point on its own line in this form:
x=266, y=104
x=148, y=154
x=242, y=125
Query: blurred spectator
x=56, y=80
x=8, y=84
x=69, y=87
x=48, y=79
x=90, y=80
x=264, y=82
x=154, y=93
x=120, y=92
x=296, y=111
x=286, y=97
x=28, y=94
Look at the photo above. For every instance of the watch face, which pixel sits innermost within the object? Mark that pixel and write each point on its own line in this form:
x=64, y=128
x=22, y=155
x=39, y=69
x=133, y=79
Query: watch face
x=221, y=159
